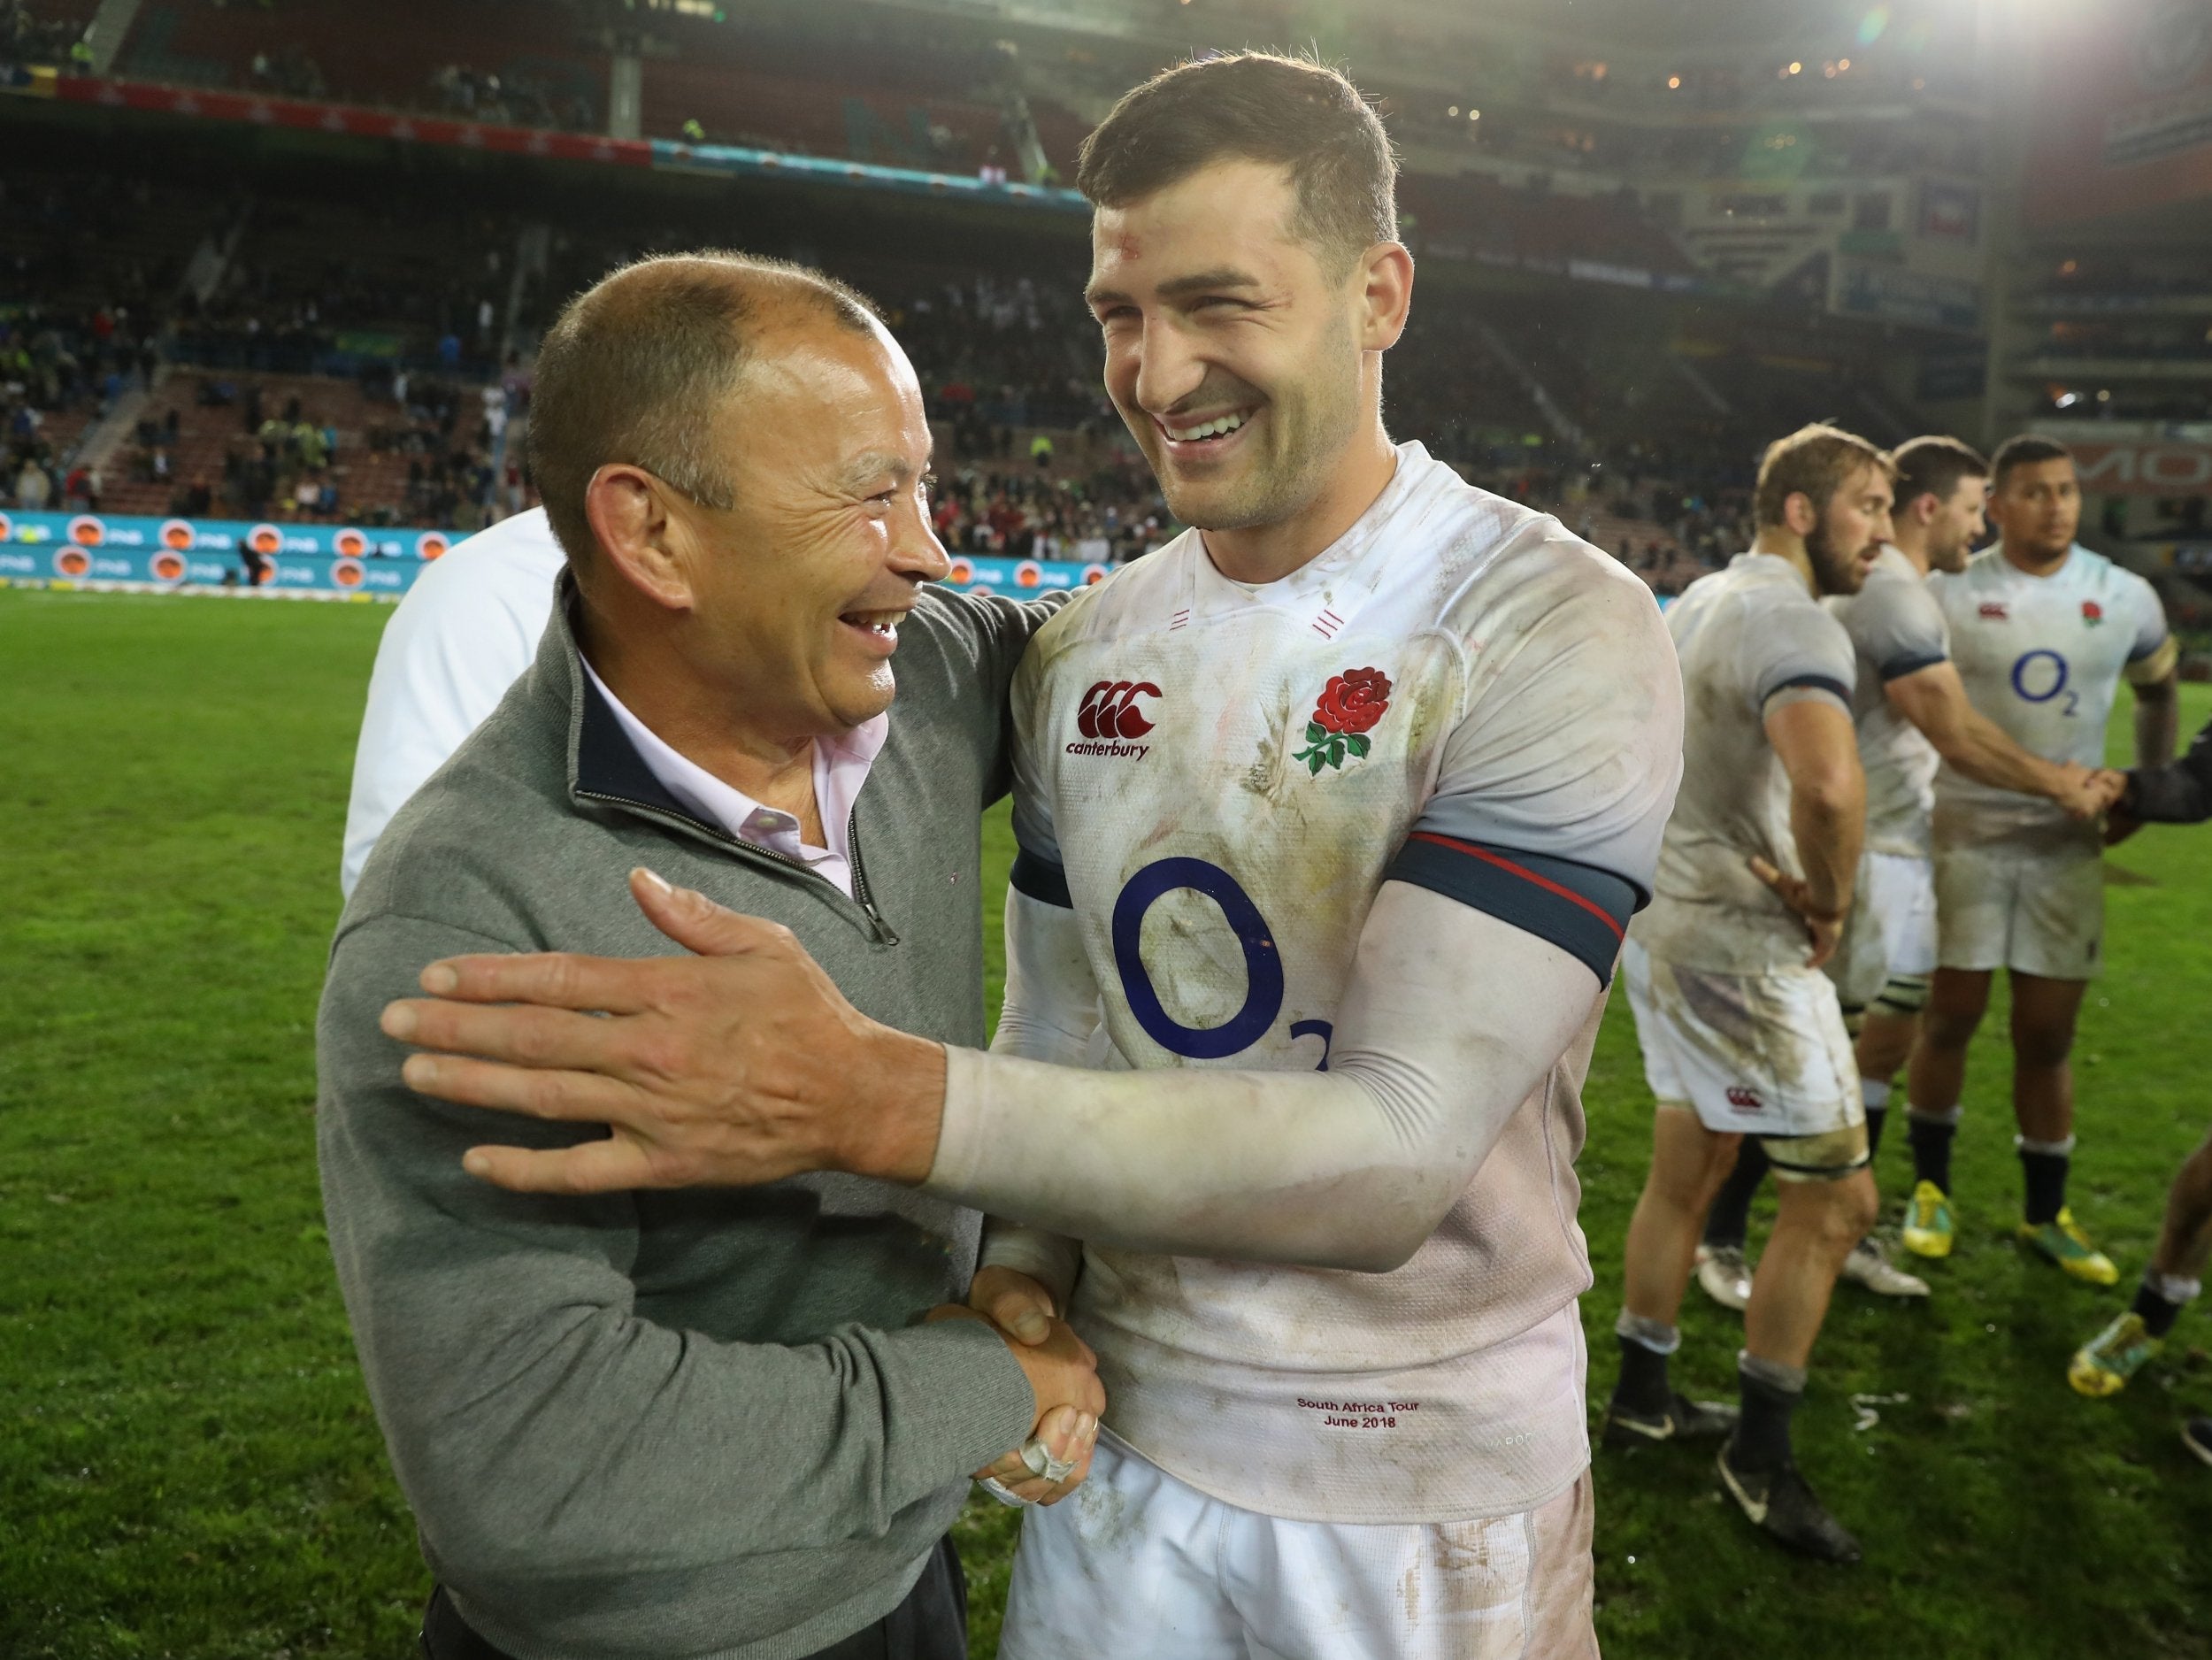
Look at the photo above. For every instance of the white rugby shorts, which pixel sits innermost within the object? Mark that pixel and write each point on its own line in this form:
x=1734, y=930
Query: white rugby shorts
x=1893, y=927
x=1136, y=1564
x=2037, y=909
x=1763, y=1054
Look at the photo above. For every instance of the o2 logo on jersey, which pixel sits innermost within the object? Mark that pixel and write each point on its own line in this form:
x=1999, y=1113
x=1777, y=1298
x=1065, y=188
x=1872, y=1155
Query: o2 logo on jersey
x=1110, y=709
x=2040, y=675
x=1262, y=964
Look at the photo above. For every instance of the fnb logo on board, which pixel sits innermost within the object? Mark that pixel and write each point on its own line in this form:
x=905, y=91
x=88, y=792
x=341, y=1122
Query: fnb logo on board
x=1745, y=1100
x=1110, y=711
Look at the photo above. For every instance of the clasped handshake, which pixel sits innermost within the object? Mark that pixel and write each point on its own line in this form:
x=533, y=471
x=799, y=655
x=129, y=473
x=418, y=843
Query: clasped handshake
x=739, y=1064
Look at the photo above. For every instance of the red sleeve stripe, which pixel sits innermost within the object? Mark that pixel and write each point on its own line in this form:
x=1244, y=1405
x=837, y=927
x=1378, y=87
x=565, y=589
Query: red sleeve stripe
x=1521, y=870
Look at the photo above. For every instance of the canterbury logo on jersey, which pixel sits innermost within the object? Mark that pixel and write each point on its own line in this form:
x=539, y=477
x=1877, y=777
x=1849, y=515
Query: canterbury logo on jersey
x=1745, y=1100
x=1110, y=711
x=1993, y=610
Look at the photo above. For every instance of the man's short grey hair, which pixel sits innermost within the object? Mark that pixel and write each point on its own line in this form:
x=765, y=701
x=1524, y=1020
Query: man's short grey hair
x=637, y=367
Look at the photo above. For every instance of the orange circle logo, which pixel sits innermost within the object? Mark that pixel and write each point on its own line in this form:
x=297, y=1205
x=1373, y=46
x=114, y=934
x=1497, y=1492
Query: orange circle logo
x=962, y=572
x=87, y=532
x=178, y=534
x=1094, y=573
x=431, y=544
x=265, y=539
x=351, y=544
x=169, y=565
x=7, y=527
x=1028, y=573
x=983, y=591
x=347, y=573
x=72, y=562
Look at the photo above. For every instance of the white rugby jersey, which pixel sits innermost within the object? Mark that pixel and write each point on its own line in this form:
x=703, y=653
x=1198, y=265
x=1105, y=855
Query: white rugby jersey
x=1896, y=629
x=1218, y=778
x=2042, y=657
x=1750, y=638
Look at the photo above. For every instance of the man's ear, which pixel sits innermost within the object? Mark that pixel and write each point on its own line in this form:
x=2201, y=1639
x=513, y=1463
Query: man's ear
x=1387, y=276
x=1799, y=516
x=639, y=537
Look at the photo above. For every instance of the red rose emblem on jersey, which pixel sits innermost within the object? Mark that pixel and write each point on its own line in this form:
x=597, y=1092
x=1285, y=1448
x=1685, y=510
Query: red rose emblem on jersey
x=2091, y=612
x=1343, y=715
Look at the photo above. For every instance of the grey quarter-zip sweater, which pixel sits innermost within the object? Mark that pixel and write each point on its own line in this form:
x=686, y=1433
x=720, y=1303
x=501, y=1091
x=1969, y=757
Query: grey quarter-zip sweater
x=682, y=1425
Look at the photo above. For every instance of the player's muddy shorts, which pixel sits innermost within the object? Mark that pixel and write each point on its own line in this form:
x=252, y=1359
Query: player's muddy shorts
x=2035, y=906
x=1763, y=1054
x=1139, y=1565
x=1892, y=936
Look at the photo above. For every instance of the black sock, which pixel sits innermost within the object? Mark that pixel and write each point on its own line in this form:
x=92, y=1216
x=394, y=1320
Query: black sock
x=1875, y=1117
x=1931, y=1140
x=1762, y=1435
x=1643, y=1388
x=2046, y=1185
x=1726, y=1223
x=2158, y=1314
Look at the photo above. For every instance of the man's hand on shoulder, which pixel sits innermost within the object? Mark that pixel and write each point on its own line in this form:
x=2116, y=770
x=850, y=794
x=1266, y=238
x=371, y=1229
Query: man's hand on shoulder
x=739, y=1064
x=1061, y=1369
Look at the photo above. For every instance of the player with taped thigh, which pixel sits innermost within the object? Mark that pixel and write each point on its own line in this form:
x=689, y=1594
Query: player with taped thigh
x=1333, y=813
x=2173, y=1277
x=1741, y=1034
x=1911, y=712
x=2043, y=631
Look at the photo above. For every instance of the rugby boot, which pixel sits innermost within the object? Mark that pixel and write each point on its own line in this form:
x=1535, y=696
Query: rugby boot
x=2064, y=1242
x=1724, y=1275
x=1684, y=1420
x=1780, y=1503
x=2102, y=1365
x=2196, y=1436
x=1869, y=1265
x=1927, y=1230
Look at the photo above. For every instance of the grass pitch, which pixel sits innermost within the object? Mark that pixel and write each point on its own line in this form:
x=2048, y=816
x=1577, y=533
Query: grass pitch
x=189, y=1466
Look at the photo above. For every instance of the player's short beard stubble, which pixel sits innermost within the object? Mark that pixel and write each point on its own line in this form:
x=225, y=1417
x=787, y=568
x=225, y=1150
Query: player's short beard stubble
x=1833, y=574
x=1310, y=423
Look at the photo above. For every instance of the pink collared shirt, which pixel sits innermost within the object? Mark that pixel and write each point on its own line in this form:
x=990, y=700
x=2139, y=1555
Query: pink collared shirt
x=840, y=767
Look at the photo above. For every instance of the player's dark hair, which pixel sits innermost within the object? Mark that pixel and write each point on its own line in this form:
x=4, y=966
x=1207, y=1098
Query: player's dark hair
x=1933, y=466
x=2023, y=449
x=1816, y=460
x=1256, y=106
x=637, y=367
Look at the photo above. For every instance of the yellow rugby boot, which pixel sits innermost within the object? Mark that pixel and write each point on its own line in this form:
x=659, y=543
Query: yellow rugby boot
x=2064, y=1242
x=2102, y=1365
x=1927, y=1230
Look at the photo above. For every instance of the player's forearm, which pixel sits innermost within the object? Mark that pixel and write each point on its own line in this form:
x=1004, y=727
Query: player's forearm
x=1828, y=825
x=1982, y=750
x=1352, y=1168
x=2157, y=723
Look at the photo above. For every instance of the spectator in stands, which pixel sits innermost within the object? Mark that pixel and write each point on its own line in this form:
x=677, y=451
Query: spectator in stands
x=34, y=487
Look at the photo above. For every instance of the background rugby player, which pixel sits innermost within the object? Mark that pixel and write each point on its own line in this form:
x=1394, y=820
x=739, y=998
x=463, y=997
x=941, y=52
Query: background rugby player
x=2043, y=631
x=1911, y=711
x=1741, y=1035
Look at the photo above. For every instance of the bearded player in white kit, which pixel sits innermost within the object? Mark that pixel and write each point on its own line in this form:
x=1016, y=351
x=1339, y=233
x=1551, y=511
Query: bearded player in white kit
x=1332, y=814
x=2043, y=631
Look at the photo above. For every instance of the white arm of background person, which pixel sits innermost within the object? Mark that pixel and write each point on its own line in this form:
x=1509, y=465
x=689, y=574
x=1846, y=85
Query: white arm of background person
x=1934, y=700
x=1050, y=1013
x=1452, y=1017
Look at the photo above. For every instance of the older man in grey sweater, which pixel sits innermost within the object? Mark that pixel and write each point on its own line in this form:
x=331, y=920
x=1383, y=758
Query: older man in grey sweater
x=697, y=1424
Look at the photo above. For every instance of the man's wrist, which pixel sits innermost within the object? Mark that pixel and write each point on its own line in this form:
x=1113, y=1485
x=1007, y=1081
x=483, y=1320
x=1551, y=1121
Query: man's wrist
x=901, y=1090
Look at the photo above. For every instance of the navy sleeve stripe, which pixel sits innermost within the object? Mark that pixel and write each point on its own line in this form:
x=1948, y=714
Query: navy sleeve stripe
x=1897, y=668
x=1042, y=879
x=1579, y=908
x=1817, y=682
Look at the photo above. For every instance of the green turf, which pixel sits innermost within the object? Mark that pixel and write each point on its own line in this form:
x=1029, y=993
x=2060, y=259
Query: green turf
x=189, y=1466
